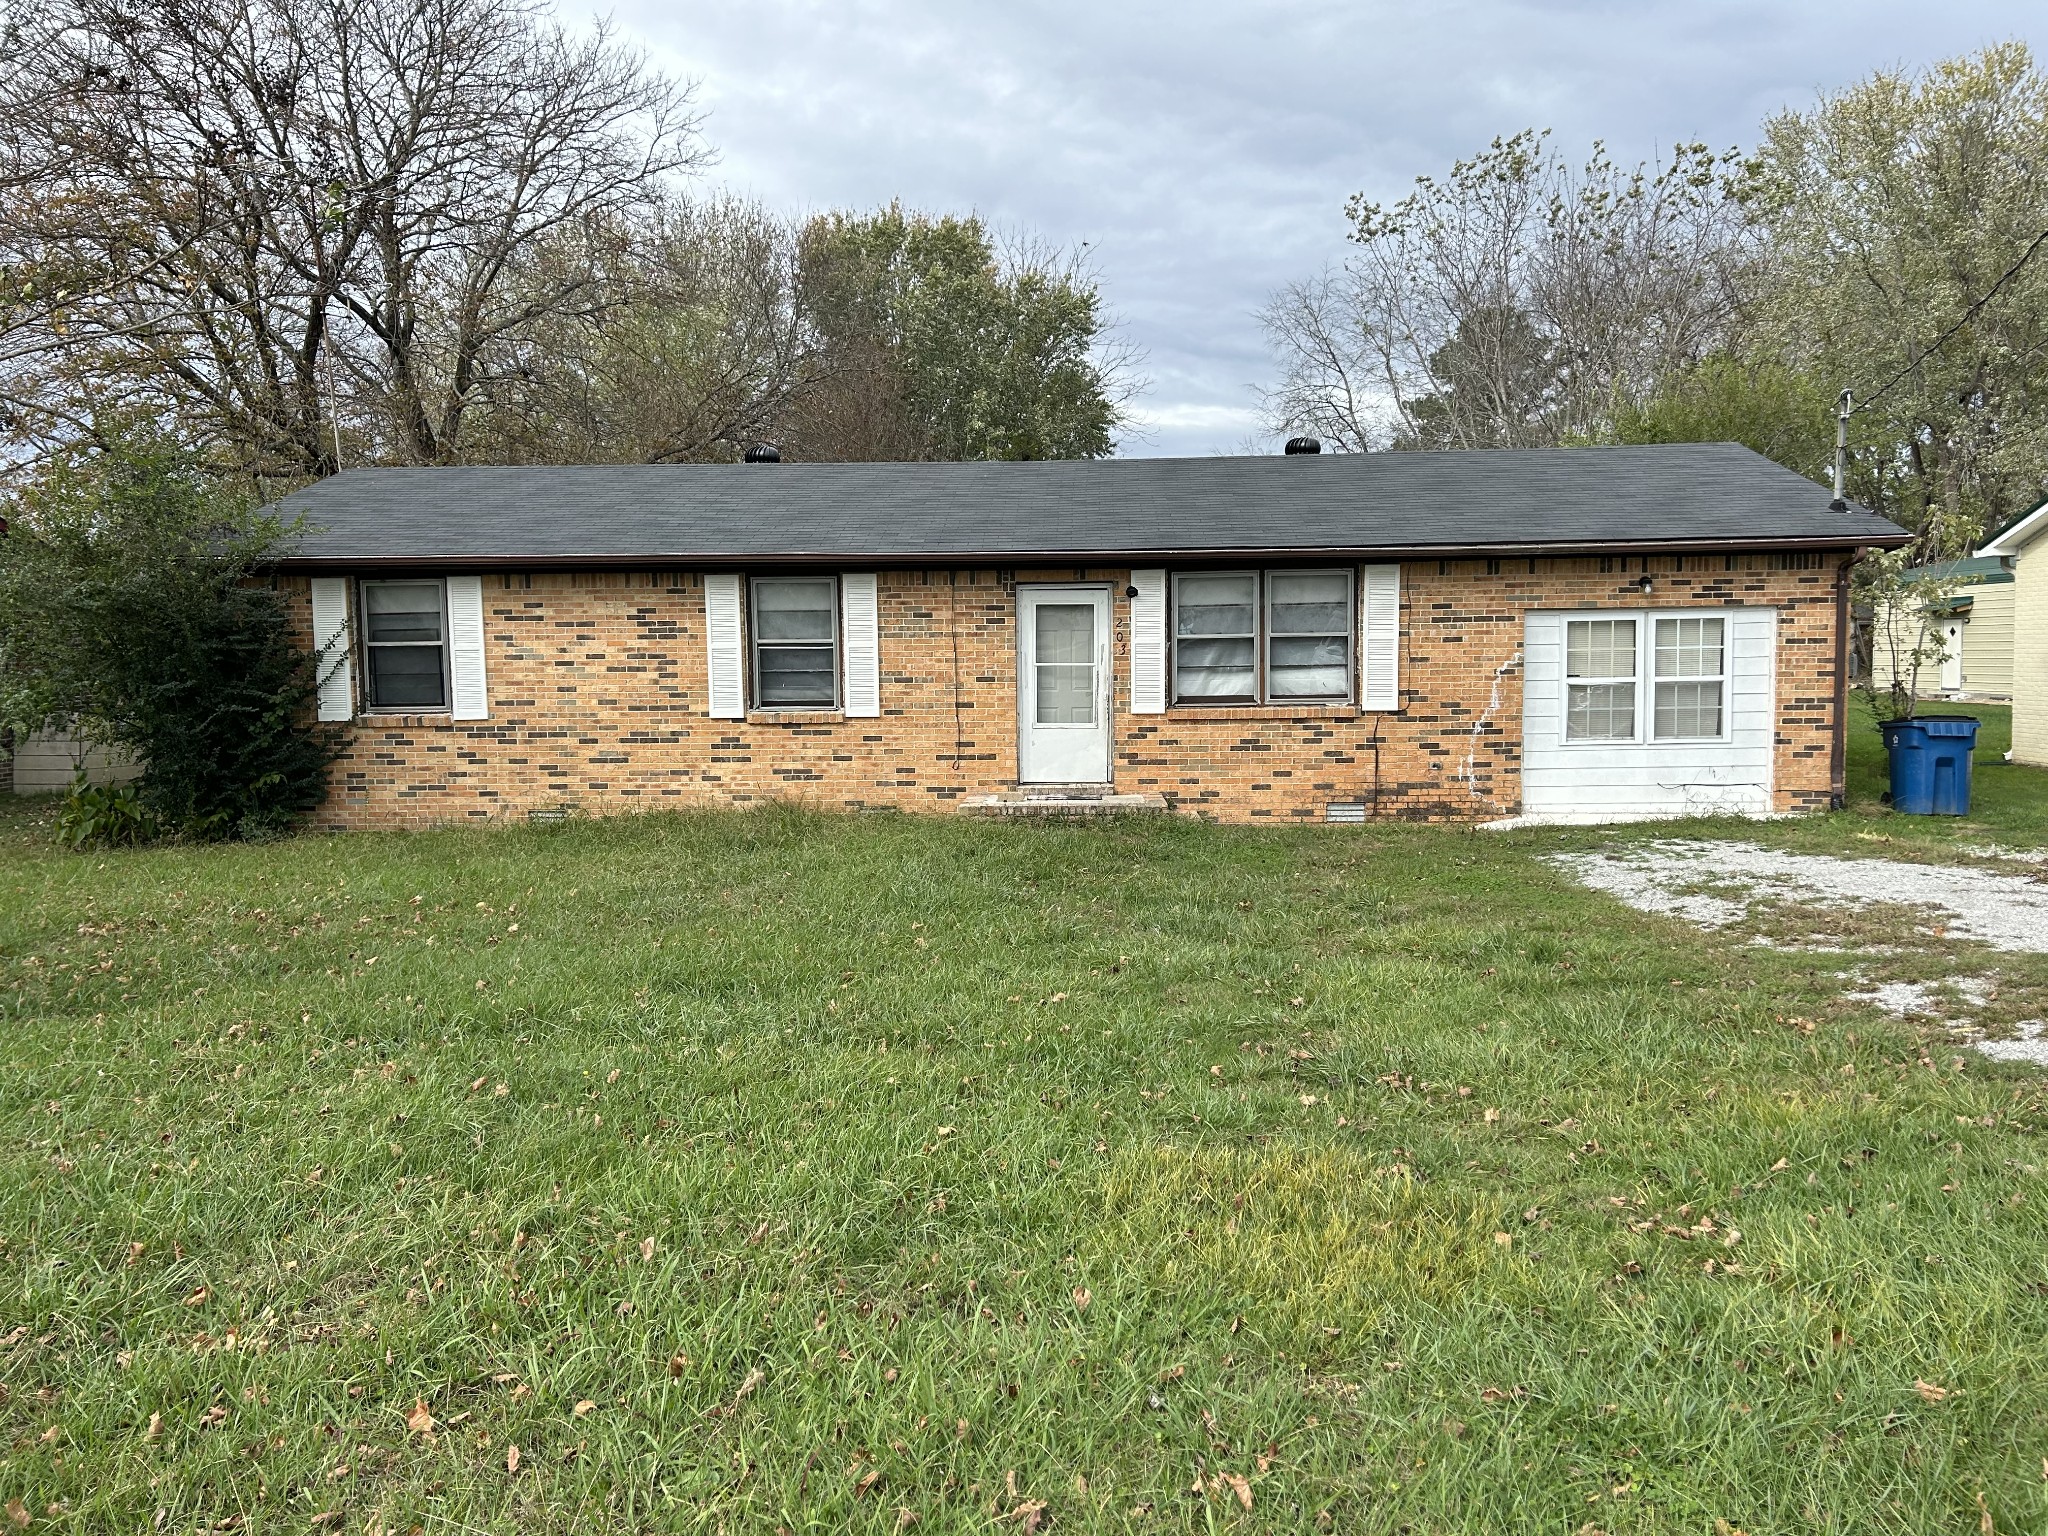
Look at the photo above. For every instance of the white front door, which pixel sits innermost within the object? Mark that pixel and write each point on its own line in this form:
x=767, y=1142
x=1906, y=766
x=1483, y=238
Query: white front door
x=1063, y=685
x=1952, y=656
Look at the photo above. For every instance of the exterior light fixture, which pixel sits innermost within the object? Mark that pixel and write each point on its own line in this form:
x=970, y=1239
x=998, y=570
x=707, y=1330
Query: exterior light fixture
x=1648, y=584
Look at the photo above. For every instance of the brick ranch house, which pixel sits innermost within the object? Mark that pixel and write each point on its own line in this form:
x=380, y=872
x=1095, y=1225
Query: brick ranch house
x=1563, y=634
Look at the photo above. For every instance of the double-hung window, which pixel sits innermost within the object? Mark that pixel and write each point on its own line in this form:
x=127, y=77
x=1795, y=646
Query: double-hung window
x=795, y=641
x=405, y=647
x=1251, y=637
x=1684, y=659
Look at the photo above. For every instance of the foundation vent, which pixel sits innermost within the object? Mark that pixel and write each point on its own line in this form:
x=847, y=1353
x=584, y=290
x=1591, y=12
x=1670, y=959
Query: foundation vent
x=1345, y=813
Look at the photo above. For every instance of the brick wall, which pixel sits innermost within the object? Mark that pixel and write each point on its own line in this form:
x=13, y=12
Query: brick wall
x=597, y=688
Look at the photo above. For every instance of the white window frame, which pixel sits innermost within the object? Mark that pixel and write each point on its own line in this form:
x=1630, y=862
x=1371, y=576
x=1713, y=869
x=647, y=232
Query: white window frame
x=1645, y=680
x=837, y=644
x=1656, y=682
x=1261, y=695
x=371, y=705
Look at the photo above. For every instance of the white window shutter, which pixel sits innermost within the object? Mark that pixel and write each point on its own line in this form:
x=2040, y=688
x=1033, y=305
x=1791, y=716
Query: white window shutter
x=469, y=698
x=1148, y=643
x=1379, y=682
x=334, y=666
x=860, y=621
x=724, y=647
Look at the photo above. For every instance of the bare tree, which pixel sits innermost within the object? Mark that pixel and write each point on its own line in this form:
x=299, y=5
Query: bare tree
x=697, y=355
x=240, y=214
x=1515, y=302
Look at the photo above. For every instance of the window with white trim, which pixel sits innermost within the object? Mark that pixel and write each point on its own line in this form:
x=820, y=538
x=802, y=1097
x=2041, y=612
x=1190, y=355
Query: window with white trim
x=794, y=632
x=1255, y=637
x=1683, y=656
x=1691, y=669
x=405, y=647
x=1600, y=680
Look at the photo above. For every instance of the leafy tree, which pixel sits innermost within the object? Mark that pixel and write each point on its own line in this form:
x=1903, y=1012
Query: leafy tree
x=1785, y=415
x=132, y=608
x=932, y=344
x=1495, y=377
x=1900, y=214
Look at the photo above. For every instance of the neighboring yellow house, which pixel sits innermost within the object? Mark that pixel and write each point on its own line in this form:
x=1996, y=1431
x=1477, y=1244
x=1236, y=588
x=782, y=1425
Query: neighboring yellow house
x=1973, y=620
x=2026, y=547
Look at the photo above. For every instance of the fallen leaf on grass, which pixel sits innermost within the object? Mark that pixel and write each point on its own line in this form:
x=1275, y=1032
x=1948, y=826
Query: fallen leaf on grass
x=1929, y=1390
x=200, y=1297
x=17, y=1514
x=583, y=1407
x=419, y=1421
x=861, y=1488
x=511, y=1458
x=677, y=1364
x=647, y=1250
x=1082, y=1296
x=1240, y=1487
x=328, y=1520
x=1029, y=1515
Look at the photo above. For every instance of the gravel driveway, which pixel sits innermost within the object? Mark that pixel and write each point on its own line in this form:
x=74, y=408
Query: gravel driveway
x=1714, y=884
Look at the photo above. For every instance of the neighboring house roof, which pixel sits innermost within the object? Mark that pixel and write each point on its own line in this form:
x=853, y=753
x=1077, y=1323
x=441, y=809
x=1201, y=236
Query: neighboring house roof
x=1979, y=571
x=1557, y=500
x=2016, y=536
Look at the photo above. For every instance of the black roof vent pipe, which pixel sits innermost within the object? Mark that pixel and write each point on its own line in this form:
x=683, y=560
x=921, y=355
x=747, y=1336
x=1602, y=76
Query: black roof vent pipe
x=764, y=453
x=1302, y=445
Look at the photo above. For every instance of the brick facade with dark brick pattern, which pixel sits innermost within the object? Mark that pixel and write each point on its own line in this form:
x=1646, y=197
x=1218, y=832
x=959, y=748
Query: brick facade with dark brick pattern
x=597, y=684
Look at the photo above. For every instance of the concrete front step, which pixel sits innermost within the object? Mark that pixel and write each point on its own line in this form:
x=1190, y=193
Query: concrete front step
x=1061, y=800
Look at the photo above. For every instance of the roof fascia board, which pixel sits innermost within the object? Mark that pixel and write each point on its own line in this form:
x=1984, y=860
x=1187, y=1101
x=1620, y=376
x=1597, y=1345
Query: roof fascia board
x=2019, y=535
x=947, y=559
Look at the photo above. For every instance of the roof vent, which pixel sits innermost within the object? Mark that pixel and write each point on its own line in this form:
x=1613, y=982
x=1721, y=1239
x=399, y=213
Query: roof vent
x=764, y=453
x=1302, y=445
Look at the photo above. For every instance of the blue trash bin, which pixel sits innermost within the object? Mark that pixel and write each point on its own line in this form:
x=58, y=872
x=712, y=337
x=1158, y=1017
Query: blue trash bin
x=1930, y=759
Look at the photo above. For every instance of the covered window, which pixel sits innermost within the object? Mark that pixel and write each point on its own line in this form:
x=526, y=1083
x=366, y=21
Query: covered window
x=1684, y=658
x=795, y=634
x=1248, y=637
x=405, y=646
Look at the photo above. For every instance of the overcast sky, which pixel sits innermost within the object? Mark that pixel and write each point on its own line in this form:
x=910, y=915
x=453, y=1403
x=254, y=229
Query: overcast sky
x=1204, y=150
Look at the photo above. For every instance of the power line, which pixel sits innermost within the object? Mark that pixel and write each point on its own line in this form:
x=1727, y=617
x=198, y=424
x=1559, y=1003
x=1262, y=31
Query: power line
x=1967, y=316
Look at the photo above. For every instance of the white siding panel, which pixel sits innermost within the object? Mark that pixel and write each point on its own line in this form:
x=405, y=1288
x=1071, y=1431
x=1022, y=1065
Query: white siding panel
x=469, y=694
x=1627, y=780
x=336, y=692
x=1148, y=643
x=860, y=619
x=723, y=647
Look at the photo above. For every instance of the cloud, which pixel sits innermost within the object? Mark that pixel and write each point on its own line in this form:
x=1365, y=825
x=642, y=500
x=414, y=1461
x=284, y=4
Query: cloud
x=1204, y=151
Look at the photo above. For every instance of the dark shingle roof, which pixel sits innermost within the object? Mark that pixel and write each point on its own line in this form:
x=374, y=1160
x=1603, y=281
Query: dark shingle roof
x=1677, y=496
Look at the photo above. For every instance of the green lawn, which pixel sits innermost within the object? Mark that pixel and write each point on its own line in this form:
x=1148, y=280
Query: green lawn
x=776, y=1171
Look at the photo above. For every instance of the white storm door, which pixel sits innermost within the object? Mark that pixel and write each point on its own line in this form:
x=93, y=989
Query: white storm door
x=1952, y=656
x=1063, y=685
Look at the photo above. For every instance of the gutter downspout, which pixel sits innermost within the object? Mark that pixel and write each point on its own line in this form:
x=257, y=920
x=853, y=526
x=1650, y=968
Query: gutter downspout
x=1838, y=746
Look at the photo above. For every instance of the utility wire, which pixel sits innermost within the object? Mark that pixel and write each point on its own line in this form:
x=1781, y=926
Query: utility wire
x=1967, y=316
